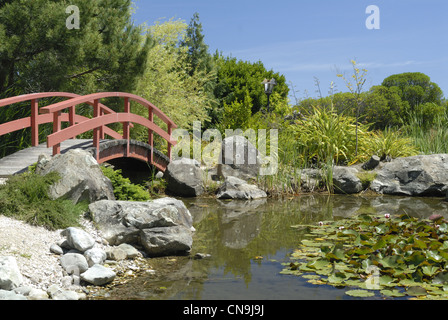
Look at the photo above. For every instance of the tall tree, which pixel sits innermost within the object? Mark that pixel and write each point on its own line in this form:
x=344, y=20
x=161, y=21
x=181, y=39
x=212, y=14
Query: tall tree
x=198, y=55
x=236, y=78
x=416, y=88
x=165, y=80
x=38, y=52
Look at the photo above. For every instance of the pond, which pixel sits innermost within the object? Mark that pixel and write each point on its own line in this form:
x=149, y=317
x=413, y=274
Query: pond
x=249, y=242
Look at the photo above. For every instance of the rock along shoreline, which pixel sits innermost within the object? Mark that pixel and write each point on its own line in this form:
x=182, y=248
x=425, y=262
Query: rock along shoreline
x=31, y=268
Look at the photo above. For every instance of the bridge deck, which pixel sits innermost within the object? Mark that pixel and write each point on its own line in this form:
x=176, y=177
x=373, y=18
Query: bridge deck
x=20, y=161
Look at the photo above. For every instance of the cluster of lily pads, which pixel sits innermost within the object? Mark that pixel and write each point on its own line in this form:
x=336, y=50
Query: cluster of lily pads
x=395, y=255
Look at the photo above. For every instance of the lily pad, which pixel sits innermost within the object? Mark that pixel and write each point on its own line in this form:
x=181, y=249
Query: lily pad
x=392, y=293
x=360, y=293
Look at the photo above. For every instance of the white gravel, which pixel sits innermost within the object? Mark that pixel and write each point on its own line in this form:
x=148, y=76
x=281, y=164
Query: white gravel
x=30, y=246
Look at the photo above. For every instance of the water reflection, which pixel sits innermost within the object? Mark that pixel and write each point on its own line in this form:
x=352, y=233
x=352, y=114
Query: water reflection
x=248, y=240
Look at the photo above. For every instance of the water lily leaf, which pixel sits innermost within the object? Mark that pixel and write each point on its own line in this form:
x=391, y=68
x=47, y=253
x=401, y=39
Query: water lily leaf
x=441, y=278
x=387, y=281
x=443, y=227
x=444, y=245
x=419, y=244
x=365, y=217
x=392, y=293
x=382, y=228
x=336, y=278
x=416, y=291
x=389, y=262
x=350, y=232
x=318, y=264
x=433, y=255
x=360, y=293
x=416, y=258
x=430, y=270
x=310, y=243
x=380, y=244
x=408, y=283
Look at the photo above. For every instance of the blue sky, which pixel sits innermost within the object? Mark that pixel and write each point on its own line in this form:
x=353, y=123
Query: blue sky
x=308, y=39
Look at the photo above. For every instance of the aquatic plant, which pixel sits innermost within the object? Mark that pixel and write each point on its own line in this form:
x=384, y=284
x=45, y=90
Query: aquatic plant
x=397, y=255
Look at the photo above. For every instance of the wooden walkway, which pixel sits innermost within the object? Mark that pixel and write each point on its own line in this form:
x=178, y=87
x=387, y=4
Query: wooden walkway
x=20, y=161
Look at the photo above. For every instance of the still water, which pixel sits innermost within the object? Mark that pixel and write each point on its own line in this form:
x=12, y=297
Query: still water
x=249, y=240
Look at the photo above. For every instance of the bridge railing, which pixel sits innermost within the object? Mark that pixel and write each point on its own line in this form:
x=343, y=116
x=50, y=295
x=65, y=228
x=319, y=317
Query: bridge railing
x=101, y=118
x=37, y=119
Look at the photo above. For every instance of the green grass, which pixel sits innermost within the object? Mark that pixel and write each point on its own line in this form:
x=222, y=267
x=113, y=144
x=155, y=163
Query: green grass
x=25, y=197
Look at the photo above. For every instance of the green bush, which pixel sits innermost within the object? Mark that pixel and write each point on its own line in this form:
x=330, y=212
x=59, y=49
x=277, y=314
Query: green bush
x=123, y=188
x=25, y=197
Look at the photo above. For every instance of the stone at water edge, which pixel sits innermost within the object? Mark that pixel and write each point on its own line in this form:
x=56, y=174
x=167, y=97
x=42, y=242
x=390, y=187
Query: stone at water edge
x=98, y=275
x=74, y=263
x=166, y=241
x=235, y=188
x=184, y=178
x=95, y=256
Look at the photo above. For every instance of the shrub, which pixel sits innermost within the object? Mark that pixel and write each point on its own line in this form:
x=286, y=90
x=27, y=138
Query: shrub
x=325, y=136
x=123, y=188
x=25, y=197
x=390, y=143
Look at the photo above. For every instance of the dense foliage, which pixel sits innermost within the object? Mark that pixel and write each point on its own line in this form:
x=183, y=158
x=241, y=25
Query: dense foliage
x=124, y=189
x=25, y=197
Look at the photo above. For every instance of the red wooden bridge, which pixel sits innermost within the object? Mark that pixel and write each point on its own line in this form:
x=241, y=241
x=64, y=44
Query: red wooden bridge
x=116, y=145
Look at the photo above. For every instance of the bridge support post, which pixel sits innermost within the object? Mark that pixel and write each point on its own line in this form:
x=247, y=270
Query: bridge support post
x=56, y=128
x=34, y=123
x=96, y=131
x=127, y=125
x=151, y=135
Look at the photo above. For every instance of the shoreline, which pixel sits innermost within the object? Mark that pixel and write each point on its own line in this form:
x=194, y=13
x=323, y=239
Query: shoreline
x=41, y=269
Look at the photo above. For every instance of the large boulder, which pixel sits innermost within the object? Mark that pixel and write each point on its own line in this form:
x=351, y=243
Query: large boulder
x=81, y=177
x=235, y=188
x=166, y=241
x=184, y=178
x=131, y=223
x=239, y=158
x=345, y=180
x=422, y=175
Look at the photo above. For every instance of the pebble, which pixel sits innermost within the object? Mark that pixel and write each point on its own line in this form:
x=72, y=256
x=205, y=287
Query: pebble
x=38, y=252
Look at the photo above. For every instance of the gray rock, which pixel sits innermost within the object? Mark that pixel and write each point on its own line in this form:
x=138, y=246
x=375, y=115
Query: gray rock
x=373, y=162
x=310, y=179
x=184, y=178
x=11, y=295
x=98, y=275
x=166, y=241
x=10, y=276
x=235, y=188
x=239, y=158
x=81, y=177
x=131, y=252
x=121, y=221
x=423, y=175
x=345, y=180
x=37, y=294
x=95, y=256
x=74, y=263
x=57, y=293
x=56, y=249
x=78, y=239
x=23, y=290
x=116, y=254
